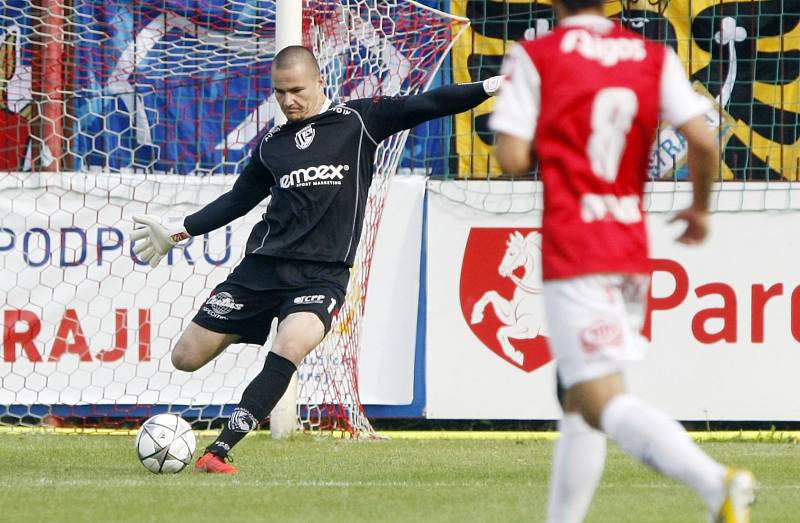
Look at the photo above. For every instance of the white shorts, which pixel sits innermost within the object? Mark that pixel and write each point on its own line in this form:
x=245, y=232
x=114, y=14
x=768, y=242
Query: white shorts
x=595, y=324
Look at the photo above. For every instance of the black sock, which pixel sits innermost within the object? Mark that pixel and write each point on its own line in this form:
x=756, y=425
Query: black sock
x=258, y=399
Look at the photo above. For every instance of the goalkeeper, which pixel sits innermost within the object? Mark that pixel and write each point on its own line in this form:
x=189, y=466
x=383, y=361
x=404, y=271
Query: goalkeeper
x=317, y=168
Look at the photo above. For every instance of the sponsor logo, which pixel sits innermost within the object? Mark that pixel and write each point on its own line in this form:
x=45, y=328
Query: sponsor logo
x=605, y=207
x=179, y=236
x=607, y=51
x=602, y=334
x=313, y=298
x=315, y=175
x=272, y=132
x=304, y=137
x=242, y=421
x=501, y=296
x=222, y=303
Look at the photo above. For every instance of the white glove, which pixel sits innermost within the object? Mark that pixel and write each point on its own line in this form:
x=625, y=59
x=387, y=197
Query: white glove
x=155, y=240
x=492, y=85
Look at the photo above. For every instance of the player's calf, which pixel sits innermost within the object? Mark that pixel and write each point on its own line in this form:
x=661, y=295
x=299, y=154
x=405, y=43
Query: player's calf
x=258, y=399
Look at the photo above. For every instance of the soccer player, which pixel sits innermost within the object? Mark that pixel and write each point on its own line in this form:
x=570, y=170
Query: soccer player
x=587, y=98
x=317, y=168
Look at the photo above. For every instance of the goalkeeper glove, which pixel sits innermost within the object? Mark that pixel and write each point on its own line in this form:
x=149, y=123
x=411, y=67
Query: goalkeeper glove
x=492, y=85
x=154, y=240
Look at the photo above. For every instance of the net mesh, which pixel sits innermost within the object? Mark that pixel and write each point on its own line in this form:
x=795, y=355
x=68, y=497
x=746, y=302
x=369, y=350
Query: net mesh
x=365, y=49
x=744, y=56
x=103, y=103
x=142, y=86
x=104, y=106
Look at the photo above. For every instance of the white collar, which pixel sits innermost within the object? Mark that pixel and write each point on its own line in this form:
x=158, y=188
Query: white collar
x=598, y=23
x=325, y=106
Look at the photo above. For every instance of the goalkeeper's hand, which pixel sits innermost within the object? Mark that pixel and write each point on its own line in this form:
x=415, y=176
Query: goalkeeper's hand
x=153, y=240
x=492, y=85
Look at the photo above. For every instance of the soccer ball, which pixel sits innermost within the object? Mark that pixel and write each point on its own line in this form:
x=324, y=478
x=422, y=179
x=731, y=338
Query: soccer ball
x=165, y=443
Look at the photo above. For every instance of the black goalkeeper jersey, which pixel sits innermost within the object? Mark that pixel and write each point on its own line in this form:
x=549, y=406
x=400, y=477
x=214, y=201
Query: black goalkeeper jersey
x=318, y=172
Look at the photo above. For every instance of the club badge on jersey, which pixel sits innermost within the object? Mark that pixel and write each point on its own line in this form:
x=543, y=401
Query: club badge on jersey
x=304, y=137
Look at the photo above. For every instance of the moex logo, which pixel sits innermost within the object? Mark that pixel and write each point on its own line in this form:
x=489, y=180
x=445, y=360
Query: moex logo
x=501, y=294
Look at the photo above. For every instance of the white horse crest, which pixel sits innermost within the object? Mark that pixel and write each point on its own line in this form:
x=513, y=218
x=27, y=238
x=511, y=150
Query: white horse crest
x=523, y=314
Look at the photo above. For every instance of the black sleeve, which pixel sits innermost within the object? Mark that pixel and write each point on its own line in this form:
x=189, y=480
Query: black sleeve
x=386, y=115
x=250, y=188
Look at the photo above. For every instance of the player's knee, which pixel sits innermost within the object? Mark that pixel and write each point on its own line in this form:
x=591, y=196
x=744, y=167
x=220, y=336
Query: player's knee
x=589, y=407
x=182, y=358
x=592, y=417
x=292, y=350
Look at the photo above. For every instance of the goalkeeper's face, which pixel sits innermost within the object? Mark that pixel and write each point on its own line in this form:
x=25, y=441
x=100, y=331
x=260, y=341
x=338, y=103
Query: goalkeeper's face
x=299, y=91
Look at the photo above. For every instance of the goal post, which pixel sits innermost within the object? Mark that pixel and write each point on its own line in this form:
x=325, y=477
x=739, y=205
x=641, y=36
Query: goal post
x=48, y=73
x=288, y=31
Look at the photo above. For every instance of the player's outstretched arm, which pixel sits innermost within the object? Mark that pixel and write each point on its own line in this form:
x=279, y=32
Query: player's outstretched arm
x=447, y=100
x=154, y=237
x=251, y=187
x=703, y=159
x=389, y=115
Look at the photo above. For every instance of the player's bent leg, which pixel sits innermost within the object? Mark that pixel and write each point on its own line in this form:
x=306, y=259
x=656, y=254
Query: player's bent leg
x=578, y=462
x=649, y=436
x=258, y=399
x=591, y=396
x=298, y=334
x=198, y=345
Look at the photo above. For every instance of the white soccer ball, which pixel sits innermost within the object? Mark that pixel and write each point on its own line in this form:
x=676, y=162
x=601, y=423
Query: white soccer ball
x=165, y=443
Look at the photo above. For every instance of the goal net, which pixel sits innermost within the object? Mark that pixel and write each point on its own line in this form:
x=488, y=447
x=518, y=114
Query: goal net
x=365, y=49
x=126, y=106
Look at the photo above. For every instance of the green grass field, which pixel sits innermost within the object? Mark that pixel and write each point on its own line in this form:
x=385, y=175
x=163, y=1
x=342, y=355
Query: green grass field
x=59, y=477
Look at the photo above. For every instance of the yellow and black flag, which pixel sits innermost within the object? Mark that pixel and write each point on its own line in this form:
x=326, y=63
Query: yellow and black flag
x=744, y=55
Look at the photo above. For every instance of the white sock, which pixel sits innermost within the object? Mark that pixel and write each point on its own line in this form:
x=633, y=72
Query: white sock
x=648, y=435
x=578, y=461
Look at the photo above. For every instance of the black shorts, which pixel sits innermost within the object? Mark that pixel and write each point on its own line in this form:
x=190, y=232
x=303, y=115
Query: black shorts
x=262, y=288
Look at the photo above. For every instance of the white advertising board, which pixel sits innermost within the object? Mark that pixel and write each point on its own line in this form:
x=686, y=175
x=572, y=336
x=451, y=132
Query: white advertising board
x=725, y=320
x=725, y=315
x=386, y=361
x=473, y=312
x=86, y=323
